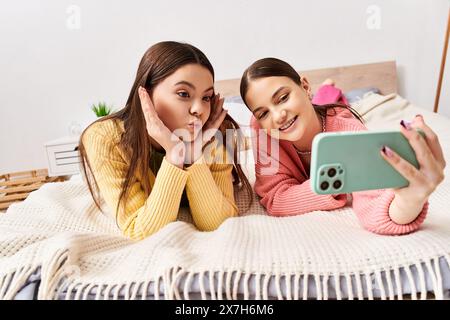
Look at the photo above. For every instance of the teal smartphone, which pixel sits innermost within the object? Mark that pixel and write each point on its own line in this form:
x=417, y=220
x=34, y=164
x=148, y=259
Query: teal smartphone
x=348, y=161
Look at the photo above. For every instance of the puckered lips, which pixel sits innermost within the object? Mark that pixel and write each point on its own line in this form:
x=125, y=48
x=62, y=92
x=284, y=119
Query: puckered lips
x=194, y=125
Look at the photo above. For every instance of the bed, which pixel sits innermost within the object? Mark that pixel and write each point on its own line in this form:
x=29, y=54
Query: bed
x=57, y=245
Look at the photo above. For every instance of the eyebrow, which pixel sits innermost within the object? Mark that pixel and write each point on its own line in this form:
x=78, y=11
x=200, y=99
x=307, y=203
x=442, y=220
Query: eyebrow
x=273, y=97
x=191, y=85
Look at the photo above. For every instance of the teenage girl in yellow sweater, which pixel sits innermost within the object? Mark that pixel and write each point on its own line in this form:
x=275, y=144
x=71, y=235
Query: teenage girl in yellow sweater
x=165, y=147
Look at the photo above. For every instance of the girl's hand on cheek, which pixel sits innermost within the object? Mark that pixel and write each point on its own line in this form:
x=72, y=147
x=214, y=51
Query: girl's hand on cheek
x=422, y=181
x=174, y=147
x=195, y=148
x=218, y=114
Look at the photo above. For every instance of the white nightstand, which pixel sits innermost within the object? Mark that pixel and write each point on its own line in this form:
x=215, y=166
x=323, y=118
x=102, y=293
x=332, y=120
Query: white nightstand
x=63, y=156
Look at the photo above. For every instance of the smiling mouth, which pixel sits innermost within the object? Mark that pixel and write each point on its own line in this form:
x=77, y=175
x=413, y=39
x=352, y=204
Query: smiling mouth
x=288, y=125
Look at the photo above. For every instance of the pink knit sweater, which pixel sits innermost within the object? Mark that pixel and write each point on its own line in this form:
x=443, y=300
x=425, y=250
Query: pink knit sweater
x=288, y=192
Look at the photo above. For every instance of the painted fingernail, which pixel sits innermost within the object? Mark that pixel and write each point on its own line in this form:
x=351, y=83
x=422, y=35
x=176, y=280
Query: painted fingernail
x=406, y=124
x=387, y=151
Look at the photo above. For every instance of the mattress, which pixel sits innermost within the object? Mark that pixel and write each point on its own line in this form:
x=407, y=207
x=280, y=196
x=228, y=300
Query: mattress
x=29, y=291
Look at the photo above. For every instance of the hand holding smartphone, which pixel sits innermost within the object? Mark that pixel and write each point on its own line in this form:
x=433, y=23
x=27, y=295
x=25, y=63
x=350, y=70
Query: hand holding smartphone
x=344, y=162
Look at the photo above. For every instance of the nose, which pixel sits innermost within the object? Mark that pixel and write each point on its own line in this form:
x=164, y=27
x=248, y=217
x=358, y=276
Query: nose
x=280, y=117
x=197, y=108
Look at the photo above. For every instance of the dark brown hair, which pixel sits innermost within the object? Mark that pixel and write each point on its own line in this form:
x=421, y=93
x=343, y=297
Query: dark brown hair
x=273, y=67
x=159, y=61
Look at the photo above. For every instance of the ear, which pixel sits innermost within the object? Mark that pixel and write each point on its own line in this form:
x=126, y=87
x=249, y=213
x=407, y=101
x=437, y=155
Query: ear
x=306, y=86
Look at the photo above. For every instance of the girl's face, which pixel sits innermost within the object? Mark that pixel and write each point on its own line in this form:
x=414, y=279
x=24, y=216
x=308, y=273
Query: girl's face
x=183, y=100
x=281, y=106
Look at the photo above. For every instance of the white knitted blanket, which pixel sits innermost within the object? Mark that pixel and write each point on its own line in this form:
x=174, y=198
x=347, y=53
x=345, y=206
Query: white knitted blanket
x=58, y=230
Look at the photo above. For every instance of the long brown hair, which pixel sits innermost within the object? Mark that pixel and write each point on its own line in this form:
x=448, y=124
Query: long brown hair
x=273, y=67
x=159, y=61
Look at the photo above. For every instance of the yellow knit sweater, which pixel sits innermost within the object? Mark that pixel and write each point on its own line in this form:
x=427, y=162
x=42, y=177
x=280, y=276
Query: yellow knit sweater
x=208, y=184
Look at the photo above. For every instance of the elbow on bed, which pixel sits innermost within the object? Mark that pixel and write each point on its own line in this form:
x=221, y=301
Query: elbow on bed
x=214, y=224
x=392, y=229
x=276, y=208
x=275, y=211
x=137, y=234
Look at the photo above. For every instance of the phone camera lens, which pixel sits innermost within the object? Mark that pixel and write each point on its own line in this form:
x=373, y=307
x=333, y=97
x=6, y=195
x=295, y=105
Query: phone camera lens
x=331, y=172
x=337, y=184
x=324, y=185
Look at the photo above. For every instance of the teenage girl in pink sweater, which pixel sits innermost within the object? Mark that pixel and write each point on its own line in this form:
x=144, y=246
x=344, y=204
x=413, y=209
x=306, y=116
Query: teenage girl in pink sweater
x=282, y=105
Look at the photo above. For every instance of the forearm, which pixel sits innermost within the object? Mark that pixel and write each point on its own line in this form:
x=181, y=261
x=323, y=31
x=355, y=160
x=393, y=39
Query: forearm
x=159, y=209
x=209, y=204
x=289, y=197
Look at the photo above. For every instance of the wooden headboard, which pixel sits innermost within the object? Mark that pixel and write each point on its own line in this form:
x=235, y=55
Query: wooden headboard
x=381, y=75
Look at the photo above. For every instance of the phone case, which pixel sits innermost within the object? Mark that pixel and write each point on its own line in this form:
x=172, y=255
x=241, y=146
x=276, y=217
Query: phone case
x=348, y=161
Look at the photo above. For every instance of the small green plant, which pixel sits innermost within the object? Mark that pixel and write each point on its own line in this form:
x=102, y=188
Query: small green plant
x=101, y=109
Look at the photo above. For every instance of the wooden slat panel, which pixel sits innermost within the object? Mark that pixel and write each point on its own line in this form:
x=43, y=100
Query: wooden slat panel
x=22, y=188
x=32, y=173
x=17, y=186
x=19, y=196
x=21, y=181
x=382, y=75
x=6, y=205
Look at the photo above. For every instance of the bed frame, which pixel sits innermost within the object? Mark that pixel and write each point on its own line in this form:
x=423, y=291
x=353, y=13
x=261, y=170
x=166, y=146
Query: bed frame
x=381, y=75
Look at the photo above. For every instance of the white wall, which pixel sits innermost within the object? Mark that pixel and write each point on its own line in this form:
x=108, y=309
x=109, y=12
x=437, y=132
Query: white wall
x=444, y=99
x=50, y=73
